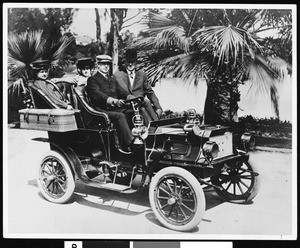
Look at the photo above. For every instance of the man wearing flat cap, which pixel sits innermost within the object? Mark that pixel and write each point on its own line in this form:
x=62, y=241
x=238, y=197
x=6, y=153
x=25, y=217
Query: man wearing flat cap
x=106, y=95
x=135, y=83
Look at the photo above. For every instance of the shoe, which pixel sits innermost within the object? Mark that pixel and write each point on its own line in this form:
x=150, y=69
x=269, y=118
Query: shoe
x=146, y=182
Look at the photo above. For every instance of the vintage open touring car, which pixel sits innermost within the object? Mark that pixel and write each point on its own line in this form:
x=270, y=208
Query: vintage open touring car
x=174, y=158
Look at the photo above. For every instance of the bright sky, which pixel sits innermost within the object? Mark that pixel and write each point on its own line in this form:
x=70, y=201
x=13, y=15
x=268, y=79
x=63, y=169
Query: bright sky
x=84, y=22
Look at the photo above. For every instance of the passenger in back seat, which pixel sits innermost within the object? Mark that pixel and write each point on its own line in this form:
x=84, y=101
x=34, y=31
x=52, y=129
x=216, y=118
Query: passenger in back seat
x=84, y=69
x=41, y=82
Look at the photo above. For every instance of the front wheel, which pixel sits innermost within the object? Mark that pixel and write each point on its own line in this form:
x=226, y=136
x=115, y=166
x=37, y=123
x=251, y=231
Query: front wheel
x=55, y=178
x=177, y=199
x=239, y=182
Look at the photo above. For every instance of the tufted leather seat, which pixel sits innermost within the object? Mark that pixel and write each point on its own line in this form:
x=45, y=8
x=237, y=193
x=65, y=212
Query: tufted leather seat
x=92, y=118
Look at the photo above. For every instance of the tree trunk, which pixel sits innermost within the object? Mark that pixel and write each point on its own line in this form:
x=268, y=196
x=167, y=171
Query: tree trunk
x=221, y=102
x=98, y=30
x=114, y=41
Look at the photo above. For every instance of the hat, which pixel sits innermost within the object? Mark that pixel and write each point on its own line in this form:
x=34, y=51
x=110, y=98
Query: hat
x=103, y=58
x=85, y=62
x=40, y=65
x=130, y=55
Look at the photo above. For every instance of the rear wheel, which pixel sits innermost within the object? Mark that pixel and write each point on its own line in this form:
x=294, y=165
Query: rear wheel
x=240, y=183
x=55, y=178
x=177, y=199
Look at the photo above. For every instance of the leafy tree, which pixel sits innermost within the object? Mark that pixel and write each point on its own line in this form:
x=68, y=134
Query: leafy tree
x=222, y=46
x=53, y=21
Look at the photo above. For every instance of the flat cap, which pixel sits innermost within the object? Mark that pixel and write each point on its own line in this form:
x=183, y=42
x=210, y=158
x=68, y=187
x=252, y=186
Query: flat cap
x=103, y=58
x=40, y=64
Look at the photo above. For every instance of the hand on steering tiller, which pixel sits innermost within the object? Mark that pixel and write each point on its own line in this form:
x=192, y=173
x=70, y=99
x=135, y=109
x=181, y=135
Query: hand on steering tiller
x=120, y=103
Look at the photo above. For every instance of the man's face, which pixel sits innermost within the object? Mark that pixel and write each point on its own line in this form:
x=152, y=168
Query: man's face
x=86, y=71
x=103, y=67
x=130, y=65
x=43, y=74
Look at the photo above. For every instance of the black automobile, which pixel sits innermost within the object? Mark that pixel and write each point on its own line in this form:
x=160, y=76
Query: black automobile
x=175, y=159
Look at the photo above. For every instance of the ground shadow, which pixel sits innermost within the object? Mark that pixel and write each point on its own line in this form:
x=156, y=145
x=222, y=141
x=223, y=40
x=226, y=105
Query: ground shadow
x=105, y=200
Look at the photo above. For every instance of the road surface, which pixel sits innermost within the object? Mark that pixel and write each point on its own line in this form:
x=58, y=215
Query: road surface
x=94, y=213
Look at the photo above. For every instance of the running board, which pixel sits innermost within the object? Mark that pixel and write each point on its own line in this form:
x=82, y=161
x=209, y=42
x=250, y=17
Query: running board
x=114, y=187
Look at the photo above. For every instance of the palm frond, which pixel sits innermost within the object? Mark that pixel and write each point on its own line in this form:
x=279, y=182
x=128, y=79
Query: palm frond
x=227, y=43
x=186, y=66
x=24, y=49
x=164, y=33
x=264, y=80
x=55, y=48
x=281, y=67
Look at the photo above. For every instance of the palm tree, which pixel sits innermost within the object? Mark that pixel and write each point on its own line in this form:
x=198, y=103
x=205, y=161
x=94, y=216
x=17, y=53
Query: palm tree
x=25, y=48
x=221, y=46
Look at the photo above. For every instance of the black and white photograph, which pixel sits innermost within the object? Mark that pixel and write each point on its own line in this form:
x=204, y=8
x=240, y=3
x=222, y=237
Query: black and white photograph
x=149, y=121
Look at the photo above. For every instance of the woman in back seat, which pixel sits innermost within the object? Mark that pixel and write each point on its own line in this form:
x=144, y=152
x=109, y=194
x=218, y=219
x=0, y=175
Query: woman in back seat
x=41, y=82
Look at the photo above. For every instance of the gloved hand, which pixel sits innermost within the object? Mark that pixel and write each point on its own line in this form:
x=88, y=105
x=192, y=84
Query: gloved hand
x=158, y=112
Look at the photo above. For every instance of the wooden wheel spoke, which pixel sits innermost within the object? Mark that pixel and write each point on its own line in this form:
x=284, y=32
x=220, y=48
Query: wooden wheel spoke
x=48, y=166
x=187, y=200
x=240, y=188
x=161, y=188
x=60, y=180
x=44, y=171
x=244, y=184
x=228, y=186
x=180, y=208
x=162, y=207
x=49, y=184
x=171, y=210
x=180, y=189
x=191, y=210
x=163, y=197
x=170, y=187
x=62, y=188
x=175, y=187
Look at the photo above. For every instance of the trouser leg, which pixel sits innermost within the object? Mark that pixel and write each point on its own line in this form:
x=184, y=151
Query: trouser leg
x=150, y=113
x=120, y=120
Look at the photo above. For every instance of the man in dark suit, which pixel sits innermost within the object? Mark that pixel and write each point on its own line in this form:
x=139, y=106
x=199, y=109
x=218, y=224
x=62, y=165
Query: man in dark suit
x=135, y=82
x=107, y=96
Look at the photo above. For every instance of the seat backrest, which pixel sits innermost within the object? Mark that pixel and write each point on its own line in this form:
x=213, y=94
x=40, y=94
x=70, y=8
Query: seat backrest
x=92, y=118
x=67, y=90
x=40, y=100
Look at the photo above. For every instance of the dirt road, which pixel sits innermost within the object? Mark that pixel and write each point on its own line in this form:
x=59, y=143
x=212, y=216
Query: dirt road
x=99, y=214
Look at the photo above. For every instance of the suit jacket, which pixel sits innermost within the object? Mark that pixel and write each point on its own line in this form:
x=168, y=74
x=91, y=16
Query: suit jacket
x=100, y=88
x=140, y=87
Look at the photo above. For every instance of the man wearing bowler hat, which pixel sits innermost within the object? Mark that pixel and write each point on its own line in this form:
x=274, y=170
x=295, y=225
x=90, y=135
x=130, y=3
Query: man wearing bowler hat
x=135, y=82
x=107, y=96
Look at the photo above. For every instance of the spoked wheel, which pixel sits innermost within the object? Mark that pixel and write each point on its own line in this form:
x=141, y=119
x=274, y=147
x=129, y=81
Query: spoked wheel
x=177, y=199
x=240, y=183
x=55, y=178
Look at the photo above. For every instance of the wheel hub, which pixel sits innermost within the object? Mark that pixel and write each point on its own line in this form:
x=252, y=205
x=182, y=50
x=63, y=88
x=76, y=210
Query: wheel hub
x=174, y=199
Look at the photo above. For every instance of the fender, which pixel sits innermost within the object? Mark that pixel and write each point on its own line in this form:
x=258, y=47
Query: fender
x=69, y=154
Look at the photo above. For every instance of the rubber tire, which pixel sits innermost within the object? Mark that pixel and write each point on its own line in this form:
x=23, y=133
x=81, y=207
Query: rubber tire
x=193, y=183
x=69, y=177
x=247, y=196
